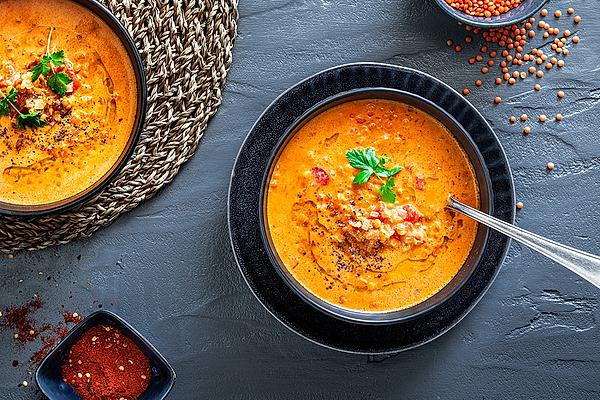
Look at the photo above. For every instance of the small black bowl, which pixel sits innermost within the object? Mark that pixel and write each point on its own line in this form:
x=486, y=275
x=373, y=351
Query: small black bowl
x=483, y=183
x=49, y=377
x=94, y=190
x=523, y=11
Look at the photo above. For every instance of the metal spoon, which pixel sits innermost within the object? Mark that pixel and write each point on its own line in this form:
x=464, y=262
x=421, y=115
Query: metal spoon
x=583, y=264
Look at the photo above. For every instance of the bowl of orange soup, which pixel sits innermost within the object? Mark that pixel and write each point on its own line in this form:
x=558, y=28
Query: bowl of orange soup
x=354, y=213
x=72, y=103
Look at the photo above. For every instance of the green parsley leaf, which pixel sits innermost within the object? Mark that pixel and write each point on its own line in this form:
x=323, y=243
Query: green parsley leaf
x=44, y=68
x=384, y=173
x=58, y=83
x=7, y=101
x=58, y=57
x=357, y=159
x=387, y=191
x=371, y=157
x=31, y=120
x=370, y=164
x=362, y=177
x=41, y=68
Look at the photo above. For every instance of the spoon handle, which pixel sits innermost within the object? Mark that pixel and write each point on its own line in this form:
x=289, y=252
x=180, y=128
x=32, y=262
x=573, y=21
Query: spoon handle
x=583, y=264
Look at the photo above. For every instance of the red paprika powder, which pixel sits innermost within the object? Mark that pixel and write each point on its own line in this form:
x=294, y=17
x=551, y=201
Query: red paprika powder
x=104, y=364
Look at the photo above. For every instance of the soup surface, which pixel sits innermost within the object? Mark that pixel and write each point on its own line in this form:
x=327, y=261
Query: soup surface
x=357, y=245
x=67, y=100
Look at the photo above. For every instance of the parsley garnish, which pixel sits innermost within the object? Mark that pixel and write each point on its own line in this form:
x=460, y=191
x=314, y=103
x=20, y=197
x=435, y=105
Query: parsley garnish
x=31, y=120
x=45, y=66
x=7, y=101
x=370, y=164
x=58, y=83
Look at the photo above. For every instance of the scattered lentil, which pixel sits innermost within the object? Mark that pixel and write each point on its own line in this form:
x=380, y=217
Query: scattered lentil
x=524, y=117
x=519, y=205
x=527, y=130
x=543, y=118
x=498, y=100
x=560, y=94
x=559, y=117
x=550, y=166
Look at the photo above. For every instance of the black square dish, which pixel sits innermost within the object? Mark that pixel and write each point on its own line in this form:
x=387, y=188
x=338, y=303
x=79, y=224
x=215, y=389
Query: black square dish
x=49, y=376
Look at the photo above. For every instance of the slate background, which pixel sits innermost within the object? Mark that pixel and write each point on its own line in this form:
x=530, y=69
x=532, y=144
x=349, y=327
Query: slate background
x=169, y=266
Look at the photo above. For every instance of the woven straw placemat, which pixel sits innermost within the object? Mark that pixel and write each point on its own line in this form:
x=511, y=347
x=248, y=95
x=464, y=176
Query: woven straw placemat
x=186, y=47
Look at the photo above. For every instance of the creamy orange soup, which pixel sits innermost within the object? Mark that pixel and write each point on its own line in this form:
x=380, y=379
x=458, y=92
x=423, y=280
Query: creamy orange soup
x=83, y=107
x=341, y=240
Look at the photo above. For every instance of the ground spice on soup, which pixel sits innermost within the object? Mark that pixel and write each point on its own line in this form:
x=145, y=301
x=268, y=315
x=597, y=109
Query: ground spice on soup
x=105, y=364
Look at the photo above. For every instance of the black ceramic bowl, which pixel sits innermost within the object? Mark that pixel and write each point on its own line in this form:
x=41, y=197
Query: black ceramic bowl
x=49, y=378
x=257, y=261
x=138, y=67
x=523, y=11
x=483, y=180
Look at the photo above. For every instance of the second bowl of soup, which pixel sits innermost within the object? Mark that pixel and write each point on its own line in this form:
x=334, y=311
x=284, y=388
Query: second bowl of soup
x=354, y=206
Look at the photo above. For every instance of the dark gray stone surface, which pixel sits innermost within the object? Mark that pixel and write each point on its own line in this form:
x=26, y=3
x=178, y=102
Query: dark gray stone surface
x=169, y=266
